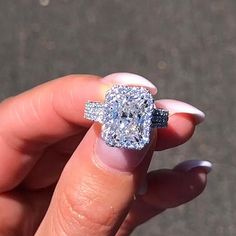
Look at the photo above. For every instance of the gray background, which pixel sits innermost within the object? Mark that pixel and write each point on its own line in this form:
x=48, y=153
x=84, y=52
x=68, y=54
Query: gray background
x=187, y=48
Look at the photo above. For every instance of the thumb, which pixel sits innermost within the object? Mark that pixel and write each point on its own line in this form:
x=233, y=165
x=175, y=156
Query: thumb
x=96, y=188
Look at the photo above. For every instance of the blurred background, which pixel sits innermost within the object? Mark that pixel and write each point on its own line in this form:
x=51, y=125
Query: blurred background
x=187, y=48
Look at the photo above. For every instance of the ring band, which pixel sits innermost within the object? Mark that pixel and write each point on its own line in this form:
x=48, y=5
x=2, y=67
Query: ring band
x=94, y=112
x=127, y=116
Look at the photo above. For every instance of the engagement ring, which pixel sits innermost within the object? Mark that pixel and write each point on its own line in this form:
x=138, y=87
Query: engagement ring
x=127, y=116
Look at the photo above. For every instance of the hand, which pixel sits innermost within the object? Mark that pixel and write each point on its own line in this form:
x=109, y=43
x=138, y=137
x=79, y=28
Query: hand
x=57, y=177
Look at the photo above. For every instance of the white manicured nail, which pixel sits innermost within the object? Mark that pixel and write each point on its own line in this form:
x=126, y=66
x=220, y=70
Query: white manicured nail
x=174, y=107
x=192, y=164
x=121, y=159
x=131, y=79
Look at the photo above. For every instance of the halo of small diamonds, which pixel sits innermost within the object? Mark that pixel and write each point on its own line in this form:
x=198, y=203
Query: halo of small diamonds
x=127, y=117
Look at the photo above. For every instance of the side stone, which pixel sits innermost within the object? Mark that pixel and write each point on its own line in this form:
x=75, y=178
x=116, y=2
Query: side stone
x=94, y=111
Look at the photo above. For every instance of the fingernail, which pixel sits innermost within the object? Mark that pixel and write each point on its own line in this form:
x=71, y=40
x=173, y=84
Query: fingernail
x=119, y=159
x=175, y=107
x=131, y=79
x=192, y=164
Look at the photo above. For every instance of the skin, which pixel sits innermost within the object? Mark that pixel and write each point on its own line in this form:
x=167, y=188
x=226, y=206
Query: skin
x=49, y=181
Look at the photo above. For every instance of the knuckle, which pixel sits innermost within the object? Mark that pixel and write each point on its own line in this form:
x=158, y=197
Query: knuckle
x=85, y=211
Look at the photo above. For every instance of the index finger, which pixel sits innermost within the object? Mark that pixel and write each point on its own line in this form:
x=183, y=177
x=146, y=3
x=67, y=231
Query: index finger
x=39, y=117
x=49, y=112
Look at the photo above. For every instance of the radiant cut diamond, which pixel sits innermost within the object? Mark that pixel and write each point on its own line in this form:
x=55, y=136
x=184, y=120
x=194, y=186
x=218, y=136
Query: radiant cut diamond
x=127, y=117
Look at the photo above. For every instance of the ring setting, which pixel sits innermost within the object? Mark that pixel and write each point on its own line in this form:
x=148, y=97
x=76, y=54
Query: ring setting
x=127, y=115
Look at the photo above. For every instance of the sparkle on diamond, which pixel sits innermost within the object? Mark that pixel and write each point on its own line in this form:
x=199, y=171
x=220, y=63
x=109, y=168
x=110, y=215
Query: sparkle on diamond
x=127, y=117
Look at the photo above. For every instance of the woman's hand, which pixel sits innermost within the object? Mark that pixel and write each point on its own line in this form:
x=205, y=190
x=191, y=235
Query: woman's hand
x=57, y=177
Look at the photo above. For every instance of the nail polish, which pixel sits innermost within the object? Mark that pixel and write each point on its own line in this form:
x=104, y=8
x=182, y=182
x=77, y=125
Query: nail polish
x=119, y=159
x=130, y=79
x=192, y=164
x=178, y=107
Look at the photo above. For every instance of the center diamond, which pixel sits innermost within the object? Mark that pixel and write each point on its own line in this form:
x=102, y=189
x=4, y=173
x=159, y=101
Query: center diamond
x=127, y=117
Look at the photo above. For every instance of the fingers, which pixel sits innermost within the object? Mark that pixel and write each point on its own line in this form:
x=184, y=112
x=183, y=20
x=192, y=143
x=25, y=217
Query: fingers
x=59, y=103
x=45, y=115
x=167, y=189
x=33, y=120
x=96, y=188
x=182, y=121
x=21, y=212
x=180, y=128
x=174, y=187
x=51, y=164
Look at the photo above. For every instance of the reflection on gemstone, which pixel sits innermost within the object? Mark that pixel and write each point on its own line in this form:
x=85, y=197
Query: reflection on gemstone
x=127, y=117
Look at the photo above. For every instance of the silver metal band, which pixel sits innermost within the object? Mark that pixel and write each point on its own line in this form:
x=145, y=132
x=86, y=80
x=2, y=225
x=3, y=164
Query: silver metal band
x=94, y=112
